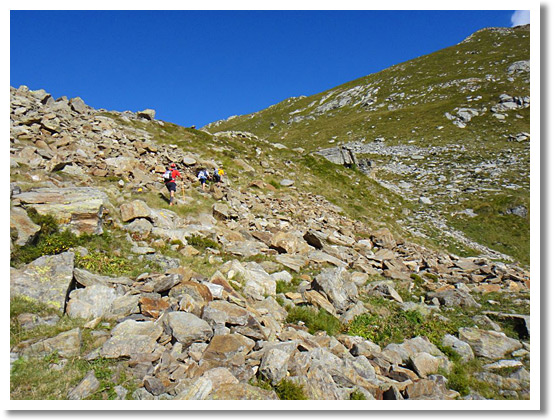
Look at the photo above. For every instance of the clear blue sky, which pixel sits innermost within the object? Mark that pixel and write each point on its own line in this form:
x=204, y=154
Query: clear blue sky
x=195, y=67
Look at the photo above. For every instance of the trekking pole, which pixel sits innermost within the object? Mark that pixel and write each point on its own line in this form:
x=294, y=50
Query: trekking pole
x=183, y=189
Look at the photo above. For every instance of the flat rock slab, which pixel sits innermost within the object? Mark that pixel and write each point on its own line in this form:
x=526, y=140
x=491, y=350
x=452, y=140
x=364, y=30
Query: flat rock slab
x=66, y=344
x=46, y=279
x=80, y=208
x=490, y=344
x=132, y=337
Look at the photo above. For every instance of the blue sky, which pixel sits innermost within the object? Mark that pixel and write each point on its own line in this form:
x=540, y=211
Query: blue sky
x=195, y=67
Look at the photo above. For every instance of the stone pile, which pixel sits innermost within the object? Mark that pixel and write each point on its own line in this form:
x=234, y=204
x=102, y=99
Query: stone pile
x=184, y=335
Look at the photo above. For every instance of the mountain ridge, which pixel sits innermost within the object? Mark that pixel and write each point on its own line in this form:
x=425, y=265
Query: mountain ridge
x=486, y=119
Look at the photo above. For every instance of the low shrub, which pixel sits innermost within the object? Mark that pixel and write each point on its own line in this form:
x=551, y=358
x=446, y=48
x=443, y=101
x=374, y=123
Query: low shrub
x=357, y=395
x=289, y=390
x=201, y=242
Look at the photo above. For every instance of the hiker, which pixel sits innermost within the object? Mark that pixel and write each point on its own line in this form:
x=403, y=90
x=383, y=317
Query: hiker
x=203, y=177
x=217, y=175
x=169, y=178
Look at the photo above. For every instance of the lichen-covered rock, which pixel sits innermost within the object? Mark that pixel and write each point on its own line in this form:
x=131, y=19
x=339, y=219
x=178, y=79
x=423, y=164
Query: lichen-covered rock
x=46, y=279
x=78, y=208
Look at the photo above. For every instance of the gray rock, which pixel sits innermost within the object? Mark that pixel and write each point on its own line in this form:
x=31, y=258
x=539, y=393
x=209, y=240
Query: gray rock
x=454, y=297
x=85, y=278
x=489, y=344
x=503, y=364
x=197, y=390
x=26, y=229
x=462, y=348
x=148, y=114
x=188, y=328
x=154, y=385
x=241, y=391
x=91, y=302
x=338, y=286
x=135, y=209
x=132, y=337
x=274, y=365
x=287, y=182
x=425, y=364
x=78, y=208
x=228, y=351
x=413, y=346
x=523, y=66
x=78, y=105
x=222, y=312
x=46, y=279
x=85, y=388
x=257, y=283
x=67, y=344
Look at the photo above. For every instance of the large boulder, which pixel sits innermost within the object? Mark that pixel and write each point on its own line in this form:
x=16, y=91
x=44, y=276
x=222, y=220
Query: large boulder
x=47, y=279
x=131, y=337
x=454, y=298
x=338, y=285
x=148, y=114
x=134, y=210
x=187, y=328
x=78, y=105
x=462, y=348
x=91, y=302
x=85, y=388
x=274, y=365
x=490, y=344
x=289, y=243
x=257, y=283
x=80, y=209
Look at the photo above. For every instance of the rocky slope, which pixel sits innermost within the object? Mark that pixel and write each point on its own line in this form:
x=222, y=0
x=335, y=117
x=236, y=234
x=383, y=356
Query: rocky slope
x=256, y=289
x=448, y=132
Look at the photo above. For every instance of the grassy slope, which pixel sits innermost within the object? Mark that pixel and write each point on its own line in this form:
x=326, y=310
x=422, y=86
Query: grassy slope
x=429, y=92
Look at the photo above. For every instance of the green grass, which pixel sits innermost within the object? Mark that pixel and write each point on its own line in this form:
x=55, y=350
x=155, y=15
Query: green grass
x=106, y=252
x=395, y=326
x=285, y=389
x=314, y=320
x=495, y=228
x=35, y=379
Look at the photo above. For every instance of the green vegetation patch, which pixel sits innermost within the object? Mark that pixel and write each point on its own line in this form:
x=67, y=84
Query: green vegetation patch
x=396, y=326
x=495, y=226
x=314, y=320
x=289, y=390
x=51, y=378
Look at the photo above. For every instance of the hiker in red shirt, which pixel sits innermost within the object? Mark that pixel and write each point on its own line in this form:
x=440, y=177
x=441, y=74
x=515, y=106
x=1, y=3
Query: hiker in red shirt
x=169, y=178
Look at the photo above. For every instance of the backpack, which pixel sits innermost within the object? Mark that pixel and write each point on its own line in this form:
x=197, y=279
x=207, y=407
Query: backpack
x=167, y=176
